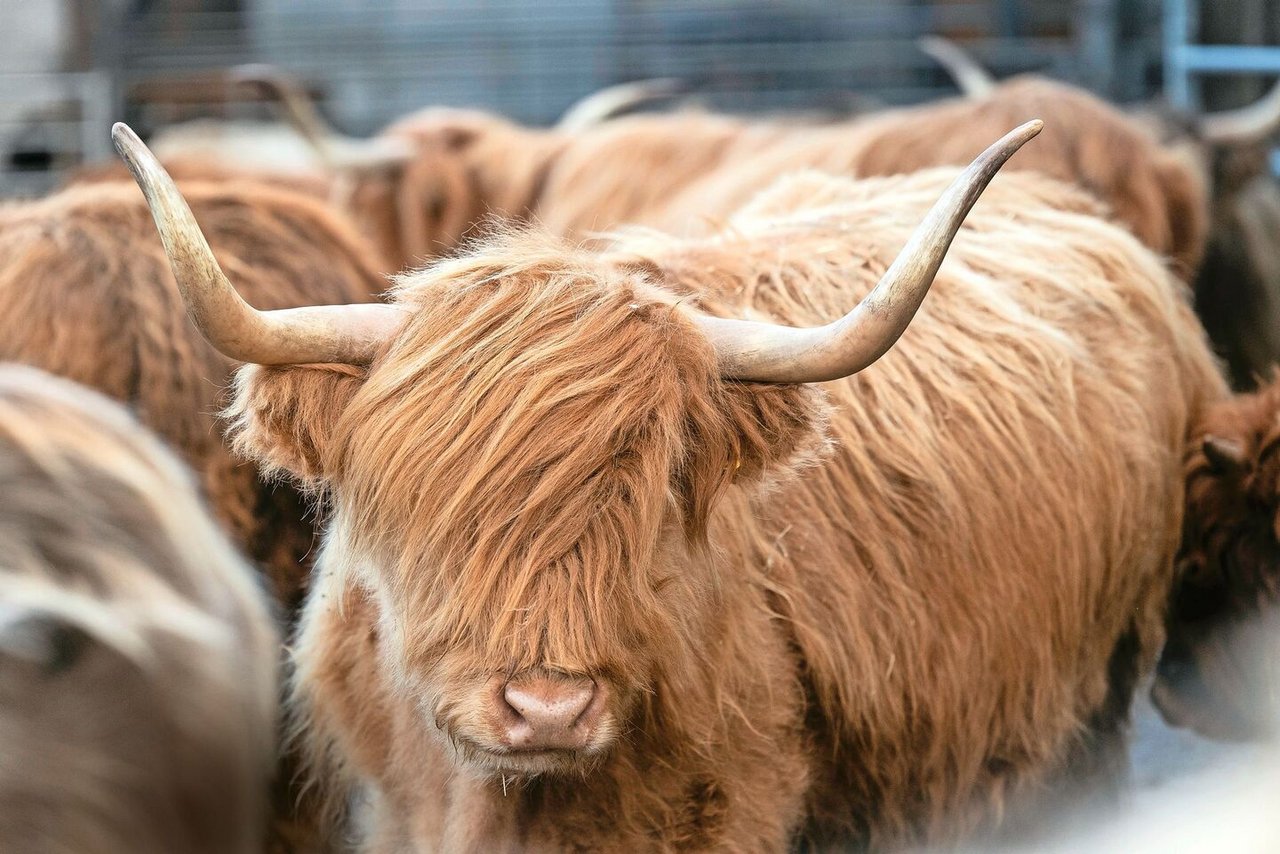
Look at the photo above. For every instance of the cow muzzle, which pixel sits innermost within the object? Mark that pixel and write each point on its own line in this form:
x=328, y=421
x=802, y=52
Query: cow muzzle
x=545, y=713
x=537, y=724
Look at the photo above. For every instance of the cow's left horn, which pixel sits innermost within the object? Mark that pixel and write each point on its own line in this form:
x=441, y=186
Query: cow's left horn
x=336, y=151
x=970, y=77
x=1247, y=124
x=765, y=352
x=611, y=101
x=350, y=334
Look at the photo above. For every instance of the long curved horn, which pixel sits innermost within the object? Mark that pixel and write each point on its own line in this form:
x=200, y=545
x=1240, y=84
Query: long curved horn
x=1247, y=124
x=336, y=151
x=971, y=78
x=611, y=101
x=765, y=352
x=350, y=334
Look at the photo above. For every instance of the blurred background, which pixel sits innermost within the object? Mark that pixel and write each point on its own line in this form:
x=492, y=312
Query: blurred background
x=68, y=68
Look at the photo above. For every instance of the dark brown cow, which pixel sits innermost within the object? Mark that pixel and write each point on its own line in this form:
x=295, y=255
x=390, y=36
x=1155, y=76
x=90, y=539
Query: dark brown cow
x=1220, y=671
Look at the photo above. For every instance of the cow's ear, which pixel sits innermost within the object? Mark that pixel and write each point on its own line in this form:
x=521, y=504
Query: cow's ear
x=283, y=417
x=775, y=428
x=758, y=433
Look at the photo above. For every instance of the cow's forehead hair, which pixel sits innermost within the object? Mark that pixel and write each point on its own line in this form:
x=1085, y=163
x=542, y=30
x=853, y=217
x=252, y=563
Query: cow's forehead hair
x=521, y=435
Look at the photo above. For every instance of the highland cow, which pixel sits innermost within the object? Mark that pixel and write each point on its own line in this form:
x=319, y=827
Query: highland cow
x=137, y=654
x=606, y=570
x=1220, y=672
x=437, y=177
x=86, y=293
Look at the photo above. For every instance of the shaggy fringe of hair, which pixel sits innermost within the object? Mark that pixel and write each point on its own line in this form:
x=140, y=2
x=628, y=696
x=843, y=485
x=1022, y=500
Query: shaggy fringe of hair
x=543, y=470
x=101, y=528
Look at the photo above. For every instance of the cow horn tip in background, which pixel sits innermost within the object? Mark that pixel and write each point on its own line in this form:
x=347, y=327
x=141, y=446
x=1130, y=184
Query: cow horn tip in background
x=967, y=73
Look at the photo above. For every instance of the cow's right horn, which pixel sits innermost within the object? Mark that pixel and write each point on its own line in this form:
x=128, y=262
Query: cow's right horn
x=351, y=334
x=970, y=77
x=767, y=352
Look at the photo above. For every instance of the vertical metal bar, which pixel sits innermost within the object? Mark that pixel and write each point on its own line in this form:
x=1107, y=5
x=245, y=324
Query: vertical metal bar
x=1176, y=32
x=1096, y=44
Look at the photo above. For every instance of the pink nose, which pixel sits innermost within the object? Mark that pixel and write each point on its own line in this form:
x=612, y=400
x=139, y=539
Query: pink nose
x=550, y=714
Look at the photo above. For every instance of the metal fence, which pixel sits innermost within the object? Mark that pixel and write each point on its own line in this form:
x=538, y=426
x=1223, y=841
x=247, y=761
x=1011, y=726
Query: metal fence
x=154, y=62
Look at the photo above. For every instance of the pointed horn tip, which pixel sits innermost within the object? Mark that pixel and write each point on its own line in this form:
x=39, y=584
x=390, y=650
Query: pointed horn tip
x=127, y=144
x=1022, y=133
x=120, y=132
x=132, y=150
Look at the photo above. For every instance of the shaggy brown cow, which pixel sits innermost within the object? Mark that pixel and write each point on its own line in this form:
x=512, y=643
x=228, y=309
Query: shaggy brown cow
x=700, y=168
x=85, y=292
x=137, y=655
x=573, y=595
x=1220, y=672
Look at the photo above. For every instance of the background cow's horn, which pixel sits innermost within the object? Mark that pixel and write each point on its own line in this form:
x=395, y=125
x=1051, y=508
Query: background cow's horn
x=1247, y=124
x=336, y=151
x=970, y=77
x=349, y=333
x=765, y=352
x=611, y=101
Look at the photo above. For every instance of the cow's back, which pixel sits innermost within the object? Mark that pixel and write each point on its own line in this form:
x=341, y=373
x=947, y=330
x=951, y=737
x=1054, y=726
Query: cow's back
x=977, y=574
x=1155, y=192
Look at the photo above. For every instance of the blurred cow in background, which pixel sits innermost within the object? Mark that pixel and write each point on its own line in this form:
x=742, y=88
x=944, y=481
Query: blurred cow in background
x=1237, y=287
x=574, y=595
x=1148, y=189
x=86, y=293
x=138, y=686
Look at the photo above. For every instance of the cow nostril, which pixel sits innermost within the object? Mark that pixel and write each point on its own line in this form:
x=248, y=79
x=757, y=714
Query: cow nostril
x=546, y=713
